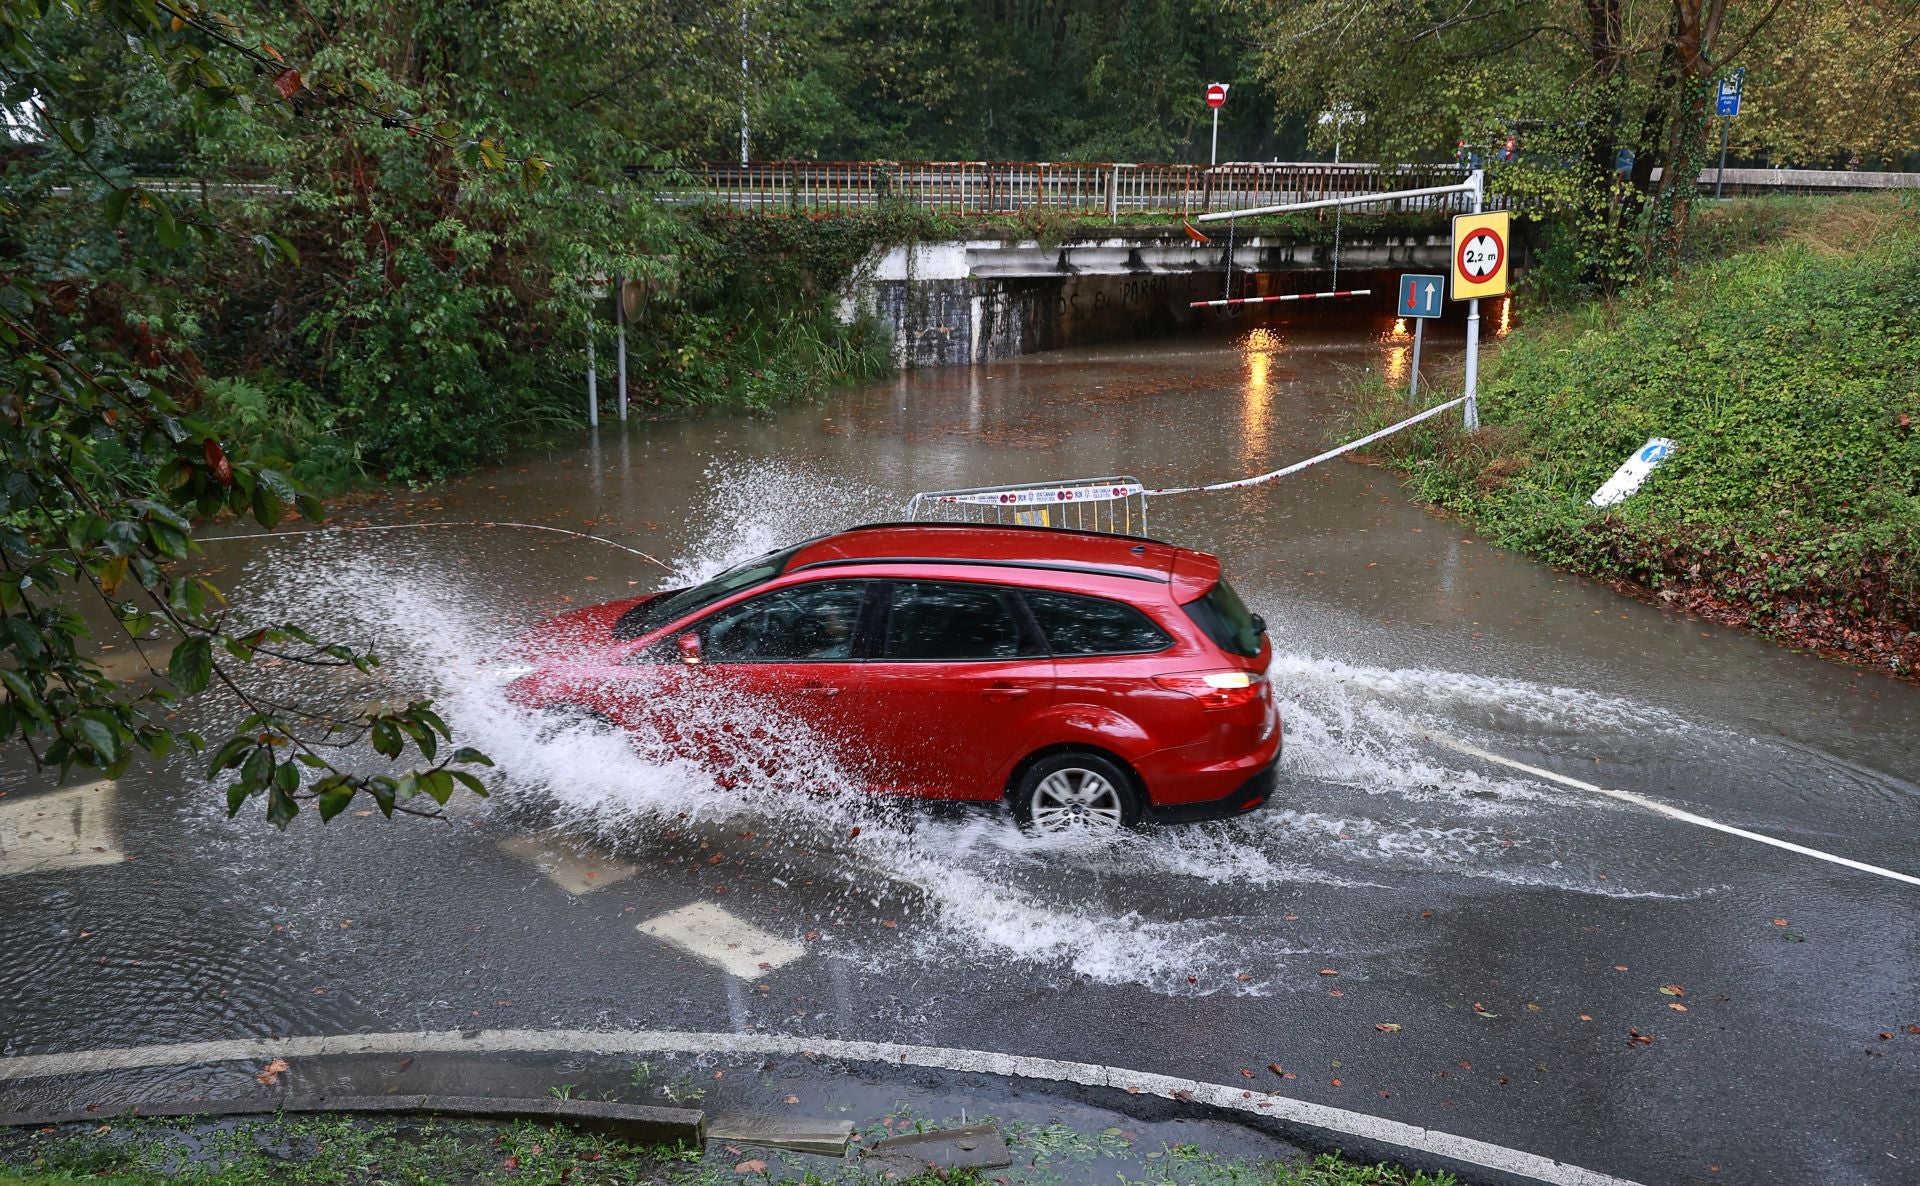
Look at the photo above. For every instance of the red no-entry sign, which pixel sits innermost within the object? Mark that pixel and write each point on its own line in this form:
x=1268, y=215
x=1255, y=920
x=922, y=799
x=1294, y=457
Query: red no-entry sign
x=1216, y=94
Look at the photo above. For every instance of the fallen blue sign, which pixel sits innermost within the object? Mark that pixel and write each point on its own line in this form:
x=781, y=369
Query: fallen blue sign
x=1632, y=473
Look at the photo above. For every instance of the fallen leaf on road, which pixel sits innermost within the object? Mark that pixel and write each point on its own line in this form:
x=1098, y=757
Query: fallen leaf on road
x=1676, y=1006
x=1290, y=918
x=889, y=924
x=1913, y=1029
x=270, y=1074
x=1329, y=972
x=1275, y=1068
x=1586, y=1017
x=511, y=1163
x=1465, y=1066
x=1181, y=1094
x=1673, y=990
x=1635, y=1037
x=1335, y=993
x=853, y=833
x=1886, y=1037
x=1335, y=1082
x=1388, y=1027
x=756, y=1166
x=1619, y=967
x=792, y=1099
x=1481, y=1010
x=1532, y=1008
x=1779, y=922
x=1249, y=1074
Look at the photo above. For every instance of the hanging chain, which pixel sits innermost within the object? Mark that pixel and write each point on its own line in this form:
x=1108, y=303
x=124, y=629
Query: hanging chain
x=1232, y=223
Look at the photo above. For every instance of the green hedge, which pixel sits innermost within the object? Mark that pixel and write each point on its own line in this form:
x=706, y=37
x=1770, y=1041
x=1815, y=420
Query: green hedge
x=1788, y=373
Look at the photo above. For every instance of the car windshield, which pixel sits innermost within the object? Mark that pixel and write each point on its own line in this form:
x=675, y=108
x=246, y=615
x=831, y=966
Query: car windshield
x=1226, y=620
x=678, y=603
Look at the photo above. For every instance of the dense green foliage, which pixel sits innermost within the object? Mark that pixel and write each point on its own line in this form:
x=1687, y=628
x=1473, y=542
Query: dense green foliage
x=1788, y=373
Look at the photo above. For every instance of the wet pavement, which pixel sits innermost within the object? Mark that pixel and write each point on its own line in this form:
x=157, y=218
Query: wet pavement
x=1520, y=933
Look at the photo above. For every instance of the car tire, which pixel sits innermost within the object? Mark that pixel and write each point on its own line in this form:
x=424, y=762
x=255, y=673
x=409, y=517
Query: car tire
x=1076, y=793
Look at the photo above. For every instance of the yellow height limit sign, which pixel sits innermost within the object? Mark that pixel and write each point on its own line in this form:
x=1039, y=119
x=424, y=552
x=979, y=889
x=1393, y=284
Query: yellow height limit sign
x=1480, y=249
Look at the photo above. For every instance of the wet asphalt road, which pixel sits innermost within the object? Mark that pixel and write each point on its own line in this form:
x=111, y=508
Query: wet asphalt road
x=1519, y=933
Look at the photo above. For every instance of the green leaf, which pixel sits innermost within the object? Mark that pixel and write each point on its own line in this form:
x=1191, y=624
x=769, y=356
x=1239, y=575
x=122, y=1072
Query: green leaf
x=229, y=754
x=97, y=729
x=334, y=801
x=237, y=795
x=191, y=665
x=164, y=225
x=23, y=694
x=281, y=808
x=115, y=205
x=438, y=784
x=468, y=756
x=469, y=781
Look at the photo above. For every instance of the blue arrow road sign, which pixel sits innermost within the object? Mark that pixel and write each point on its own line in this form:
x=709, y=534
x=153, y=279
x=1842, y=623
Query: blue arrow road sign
x=1727, y=104
x=1421, y=296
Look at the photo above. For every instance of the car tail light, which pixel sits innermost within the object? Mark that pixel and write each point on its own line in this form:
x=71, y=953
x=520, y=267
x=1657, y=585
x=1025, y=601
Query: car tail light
x=1217, y=689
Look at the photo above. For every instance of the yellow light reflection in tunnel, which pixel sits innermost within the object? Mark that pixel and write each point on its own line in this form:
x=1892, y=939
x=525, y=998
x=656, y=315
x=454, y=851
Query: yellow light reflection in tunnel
x=1256, y=395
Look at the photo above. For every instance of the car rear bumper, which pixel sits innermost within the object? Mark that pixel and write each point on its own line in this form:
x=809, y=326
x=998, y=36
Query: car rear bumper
x=1244, y=798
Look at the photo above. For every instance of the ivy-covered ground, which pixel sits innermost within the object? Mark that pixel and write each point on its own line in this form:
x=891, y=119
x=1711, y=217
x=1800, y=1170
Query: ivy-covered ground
x=343, y=1151
x=1784, y=361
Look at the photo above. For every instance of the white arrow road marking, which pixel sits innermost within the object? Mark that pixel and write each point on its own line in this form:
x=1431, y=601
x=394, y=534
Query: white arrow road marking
x=565, y=862
x=980, y=1062
x=66, y=829
x=723, y=938
x=1686, y=817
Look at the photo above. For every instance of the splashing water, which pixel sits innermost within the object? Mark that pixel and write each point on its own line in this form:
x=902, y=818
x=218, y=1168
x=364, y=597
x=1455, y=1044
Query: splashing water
x=1361, y=797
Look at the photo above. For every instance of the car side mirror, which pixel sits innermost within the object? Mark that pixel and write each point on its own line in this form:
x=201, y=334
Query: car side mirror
x=1259, y=624
x=689, y=645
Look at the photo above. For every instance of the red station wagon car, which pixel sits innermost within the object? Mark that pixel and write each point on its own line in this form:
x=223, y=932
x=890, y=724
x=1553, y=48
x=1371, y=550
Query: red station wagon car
x=1094, y=681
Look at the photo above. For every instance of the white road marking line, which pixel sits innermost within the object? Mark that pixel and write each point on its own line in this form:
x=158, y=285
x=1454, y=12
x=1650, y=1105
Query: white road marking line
x=1687, y=817
x=566, y=863
x=723, y=938
x=64, y=829
x=981, y=1062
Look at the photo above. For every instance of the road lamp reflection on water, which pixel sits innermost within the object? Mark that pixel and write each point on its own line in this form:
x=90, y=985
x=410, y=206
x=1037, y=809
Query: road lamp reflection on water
x=1256, y=394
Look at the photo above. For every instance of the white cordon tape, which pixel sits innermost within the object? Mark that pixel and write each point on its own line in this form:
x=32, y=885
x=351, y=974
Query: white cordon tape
x=1517, y=1162
x=1042, y=495
x=1297, y=296
x=1297, y=466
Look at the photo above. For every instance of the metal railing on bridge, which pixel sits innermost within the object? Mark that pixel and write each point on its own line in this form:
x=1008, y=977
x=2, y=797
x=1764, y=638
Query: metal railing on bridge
x=1091, y=189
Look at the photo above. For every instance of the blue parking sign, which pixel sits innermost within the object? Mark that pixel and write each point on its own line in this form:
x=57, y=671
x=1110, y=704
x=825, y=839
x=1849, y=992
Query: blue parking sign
x=1421, y=296
x=1727, y=103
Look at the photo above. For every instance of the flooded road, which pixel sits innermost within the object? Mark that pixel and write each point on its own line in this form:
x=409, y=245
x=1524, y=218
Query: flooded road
x=1520, y=931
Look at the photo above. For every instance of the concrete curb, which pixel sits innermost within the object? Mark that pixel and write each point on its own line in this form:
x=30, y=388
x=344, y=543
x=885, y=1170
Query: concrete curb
x=631, y=1122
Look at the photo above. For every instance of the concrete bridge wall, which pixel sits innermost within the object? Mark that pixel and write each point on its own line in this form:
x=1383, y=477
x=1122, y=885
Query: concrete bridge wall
x=957, y=303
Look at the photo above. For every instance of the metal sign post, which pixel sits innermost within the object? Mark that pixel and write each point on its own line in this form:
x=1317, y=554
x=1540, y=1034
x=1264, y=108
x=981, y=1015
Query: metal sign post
x=1480, y=259
x=1216, y=99
x=1421, y=300
x=1727, y=105
x=620, y=337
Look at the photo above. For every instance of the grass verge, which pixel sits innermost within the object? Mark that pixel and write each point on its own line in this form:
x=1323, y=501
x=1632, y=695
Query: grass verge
x=345, y=1151
x=1785, y=363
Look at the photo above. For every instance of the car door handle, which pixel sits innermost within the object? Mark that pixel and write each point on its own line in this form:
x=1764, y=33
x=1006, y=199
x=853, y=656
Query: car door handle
x=819, y=690
x=1003, y=691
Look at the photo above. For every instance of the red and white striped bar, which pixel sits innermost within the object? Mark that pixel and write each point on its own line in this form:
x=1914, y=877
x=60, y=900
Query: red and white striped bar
x=1296, y=296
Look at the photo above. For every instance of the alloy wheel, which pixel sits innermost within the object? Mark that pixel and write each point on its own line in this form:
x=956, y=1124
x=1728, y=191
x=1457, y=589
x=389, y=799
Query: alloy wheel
x=1076, y=800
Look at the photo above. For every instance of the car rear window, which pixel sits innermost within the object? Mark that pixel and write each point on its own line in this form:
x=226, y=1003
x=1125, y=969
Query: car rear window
x=1076, y=625
x=1226, y=620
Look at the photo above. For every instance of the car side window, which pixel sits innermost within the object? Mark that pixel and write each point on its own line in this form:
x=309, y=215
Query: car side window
x=1076, y=625
x=939, y=620
x=812, y=623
